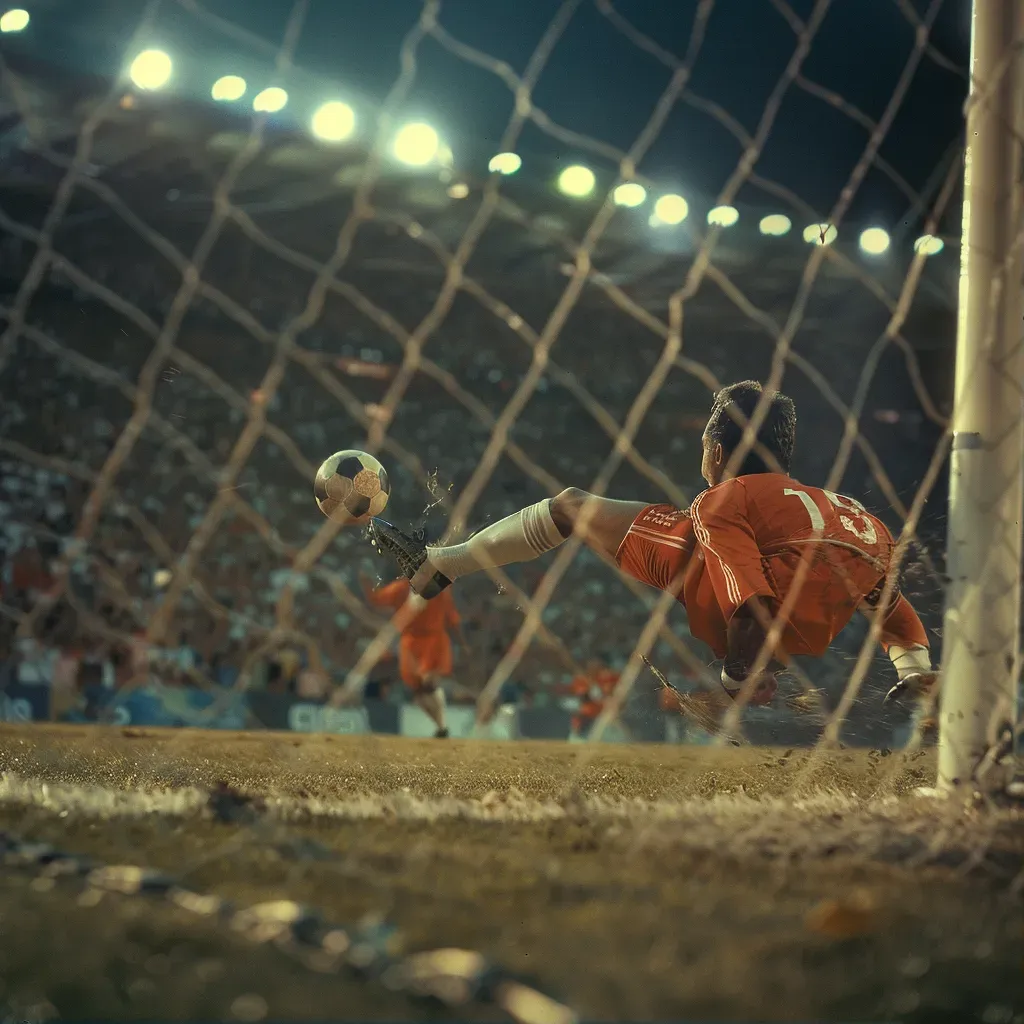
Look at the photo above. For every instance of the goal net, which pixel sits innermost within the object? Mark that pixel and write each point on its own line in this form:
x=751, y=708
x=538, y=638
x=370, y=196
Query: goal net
x=215, y=278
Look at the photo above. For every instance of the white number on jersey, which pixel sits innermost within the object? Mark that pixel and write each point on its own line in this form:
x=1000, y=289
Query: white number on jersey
x=853, y=516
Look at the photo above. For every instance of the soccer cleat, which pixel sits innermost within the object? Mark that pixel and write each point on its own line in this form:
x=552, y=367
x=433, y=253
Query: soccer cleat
x=917, y=684
x=410, y=552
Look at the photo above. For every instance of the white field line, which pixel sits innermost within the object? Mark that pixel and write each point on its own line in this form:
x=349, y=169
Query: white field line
x=510, y=806
x=911, y=830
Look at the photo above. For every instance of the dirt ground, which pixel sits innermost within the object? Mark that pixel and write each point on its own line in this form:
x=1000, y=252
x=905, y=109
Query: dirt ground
x=631, y=882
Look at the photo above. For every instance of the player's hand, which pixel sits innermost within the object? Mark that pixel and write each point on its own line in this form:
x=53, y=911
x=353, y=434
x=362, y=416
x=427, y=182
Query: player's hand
x=917, y=684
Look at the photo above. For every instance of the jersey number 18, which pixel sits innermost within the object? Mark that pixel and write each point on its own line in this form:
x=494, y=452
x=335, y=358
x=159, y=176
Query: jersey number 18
x=855, y=520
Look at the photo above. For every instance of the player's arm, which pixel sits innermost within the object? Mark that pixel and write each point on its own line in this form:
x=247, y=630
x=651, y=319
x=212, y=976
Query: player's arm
x=904, y=639
x=732, y=561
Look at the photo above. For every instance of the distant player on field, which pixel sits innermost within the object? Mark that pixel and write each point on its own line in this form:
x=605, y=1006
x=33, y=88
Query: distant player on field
x=424, y=647
x=730, y=558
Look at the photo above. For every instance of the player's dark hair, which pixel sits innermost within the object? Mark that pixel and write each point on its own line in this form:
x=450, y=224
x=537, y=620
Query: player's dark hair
x=734, y=406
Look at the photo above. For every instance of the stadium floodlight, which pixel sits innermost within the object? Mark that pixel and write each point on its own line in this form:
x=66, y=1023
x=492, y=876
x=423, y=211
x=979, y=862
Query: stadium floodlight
x=151, y=69
x=416, y=145
x=671, y=209
x=629, y=194
x=15, y=20
x=874, y=241
x=820, y=234
x=505, y=163
x=723, y=216
x=333, y=122
x=270, y=100
x=228, y=89
x=775, y=224
x=577, y=181
x=929, y=245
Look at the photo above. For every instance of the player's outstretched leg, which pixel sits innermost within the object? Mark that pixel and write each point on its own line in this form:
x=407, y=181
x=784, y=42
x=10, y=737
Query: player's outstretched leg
x=520, y=537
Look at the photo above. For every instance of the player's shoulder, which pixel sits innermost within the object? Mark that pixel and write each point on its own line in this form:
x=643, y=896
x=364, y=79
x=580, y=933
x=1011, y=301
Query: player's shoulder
x=718, y=496
x=758, y=486
x=750, y=488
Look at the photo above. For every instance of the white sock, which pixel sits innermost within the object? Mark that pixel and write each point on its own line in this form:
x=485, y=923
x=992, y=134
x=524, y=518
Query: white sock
x=520, y=537
x=910, y=660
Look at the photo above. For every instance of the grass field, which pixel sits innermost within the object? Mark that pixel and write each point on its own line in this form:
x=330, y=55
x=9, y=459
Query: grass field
x=631, y=882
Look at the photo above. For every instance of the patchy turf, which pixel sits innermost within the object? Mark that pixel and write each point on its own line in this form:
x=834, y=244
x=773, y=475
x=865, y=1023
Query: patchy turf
x=635, y=882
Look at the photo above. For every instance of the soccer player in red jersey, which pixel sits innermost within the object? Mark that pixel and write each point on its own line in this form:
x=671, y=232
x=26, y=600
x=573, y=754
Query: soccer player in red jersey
x=425, y=646
x=757, y=547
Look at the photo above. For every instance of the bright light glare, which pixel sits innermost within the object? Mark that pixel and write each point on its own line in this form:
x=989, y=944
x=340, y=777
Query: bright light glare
x=505, y=163
x=630, y=194
x=874, y=241
x=671, y=209
x=723, y=216
x=228, y=89
x=334, y=122
x=150, y=70
x=820, y=234
x=930, y=245
x=416, y=145
x=577, y=181
x=775, y=224
x=458, y=191
x=14, y=21
x=270, y=101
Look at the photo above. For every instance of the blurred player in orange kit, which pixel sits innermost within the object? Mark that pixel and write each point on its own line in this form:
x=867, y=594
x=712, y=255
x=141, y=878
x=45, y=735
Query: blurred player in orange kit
x=425, y=648
x=731, y=558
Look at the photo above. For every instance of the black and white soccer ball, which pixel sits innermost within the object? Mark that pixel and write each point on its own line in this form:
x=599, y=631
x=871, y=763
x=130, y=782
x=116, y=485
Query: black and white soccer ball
x=351, y=486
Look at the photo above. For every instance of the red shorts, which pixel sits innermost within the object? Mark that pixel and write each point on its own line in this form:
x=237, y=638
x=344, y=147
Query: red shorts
x=423, y=658
x=661, y=550
x=658, y=548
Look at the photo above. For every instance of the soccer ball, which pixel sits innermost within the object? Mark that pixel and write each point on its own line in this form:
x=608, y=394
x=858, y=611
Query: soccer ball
x=351, y=486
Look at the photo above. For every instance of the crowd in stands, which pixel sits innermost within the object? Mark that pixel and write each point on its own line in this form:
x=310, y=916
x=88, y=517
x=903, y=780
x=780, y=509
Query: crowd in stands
x=76, y=609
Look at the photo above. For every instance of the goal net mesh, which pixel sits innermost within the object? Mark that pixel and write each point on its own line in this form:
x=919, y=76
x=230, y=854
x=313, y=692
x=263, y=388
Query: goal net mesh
x=202, y=303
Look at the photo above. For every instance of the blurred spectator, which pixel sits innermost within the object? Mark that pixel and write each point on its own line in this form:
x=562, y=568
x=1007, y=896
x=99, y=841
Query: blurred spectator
x=64, y=690
x=591, y=691
x=313, y=682
x=224, y=666
x=284, y=670
x=381, y=679
x=34, y=662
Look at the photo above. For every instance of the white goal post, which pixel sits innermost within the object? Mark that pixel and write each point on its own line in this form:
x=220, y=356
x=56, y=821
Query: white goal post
x=981, y=655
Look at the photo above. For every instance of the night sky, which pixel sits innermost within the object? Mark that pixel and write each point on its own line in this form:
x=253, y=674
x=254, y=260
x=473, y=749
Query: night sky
x=597, y=82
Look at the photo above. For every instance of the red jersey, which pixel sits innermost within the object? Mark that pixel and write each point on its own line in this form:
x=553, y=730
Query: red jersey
x=747, y=537
x=432, y=617
x=425, y=649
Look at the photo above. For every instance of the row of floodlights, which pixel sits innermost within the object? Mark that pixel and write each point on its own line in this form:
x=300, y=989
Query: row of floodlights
x=579, y=182
x=418, y=145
